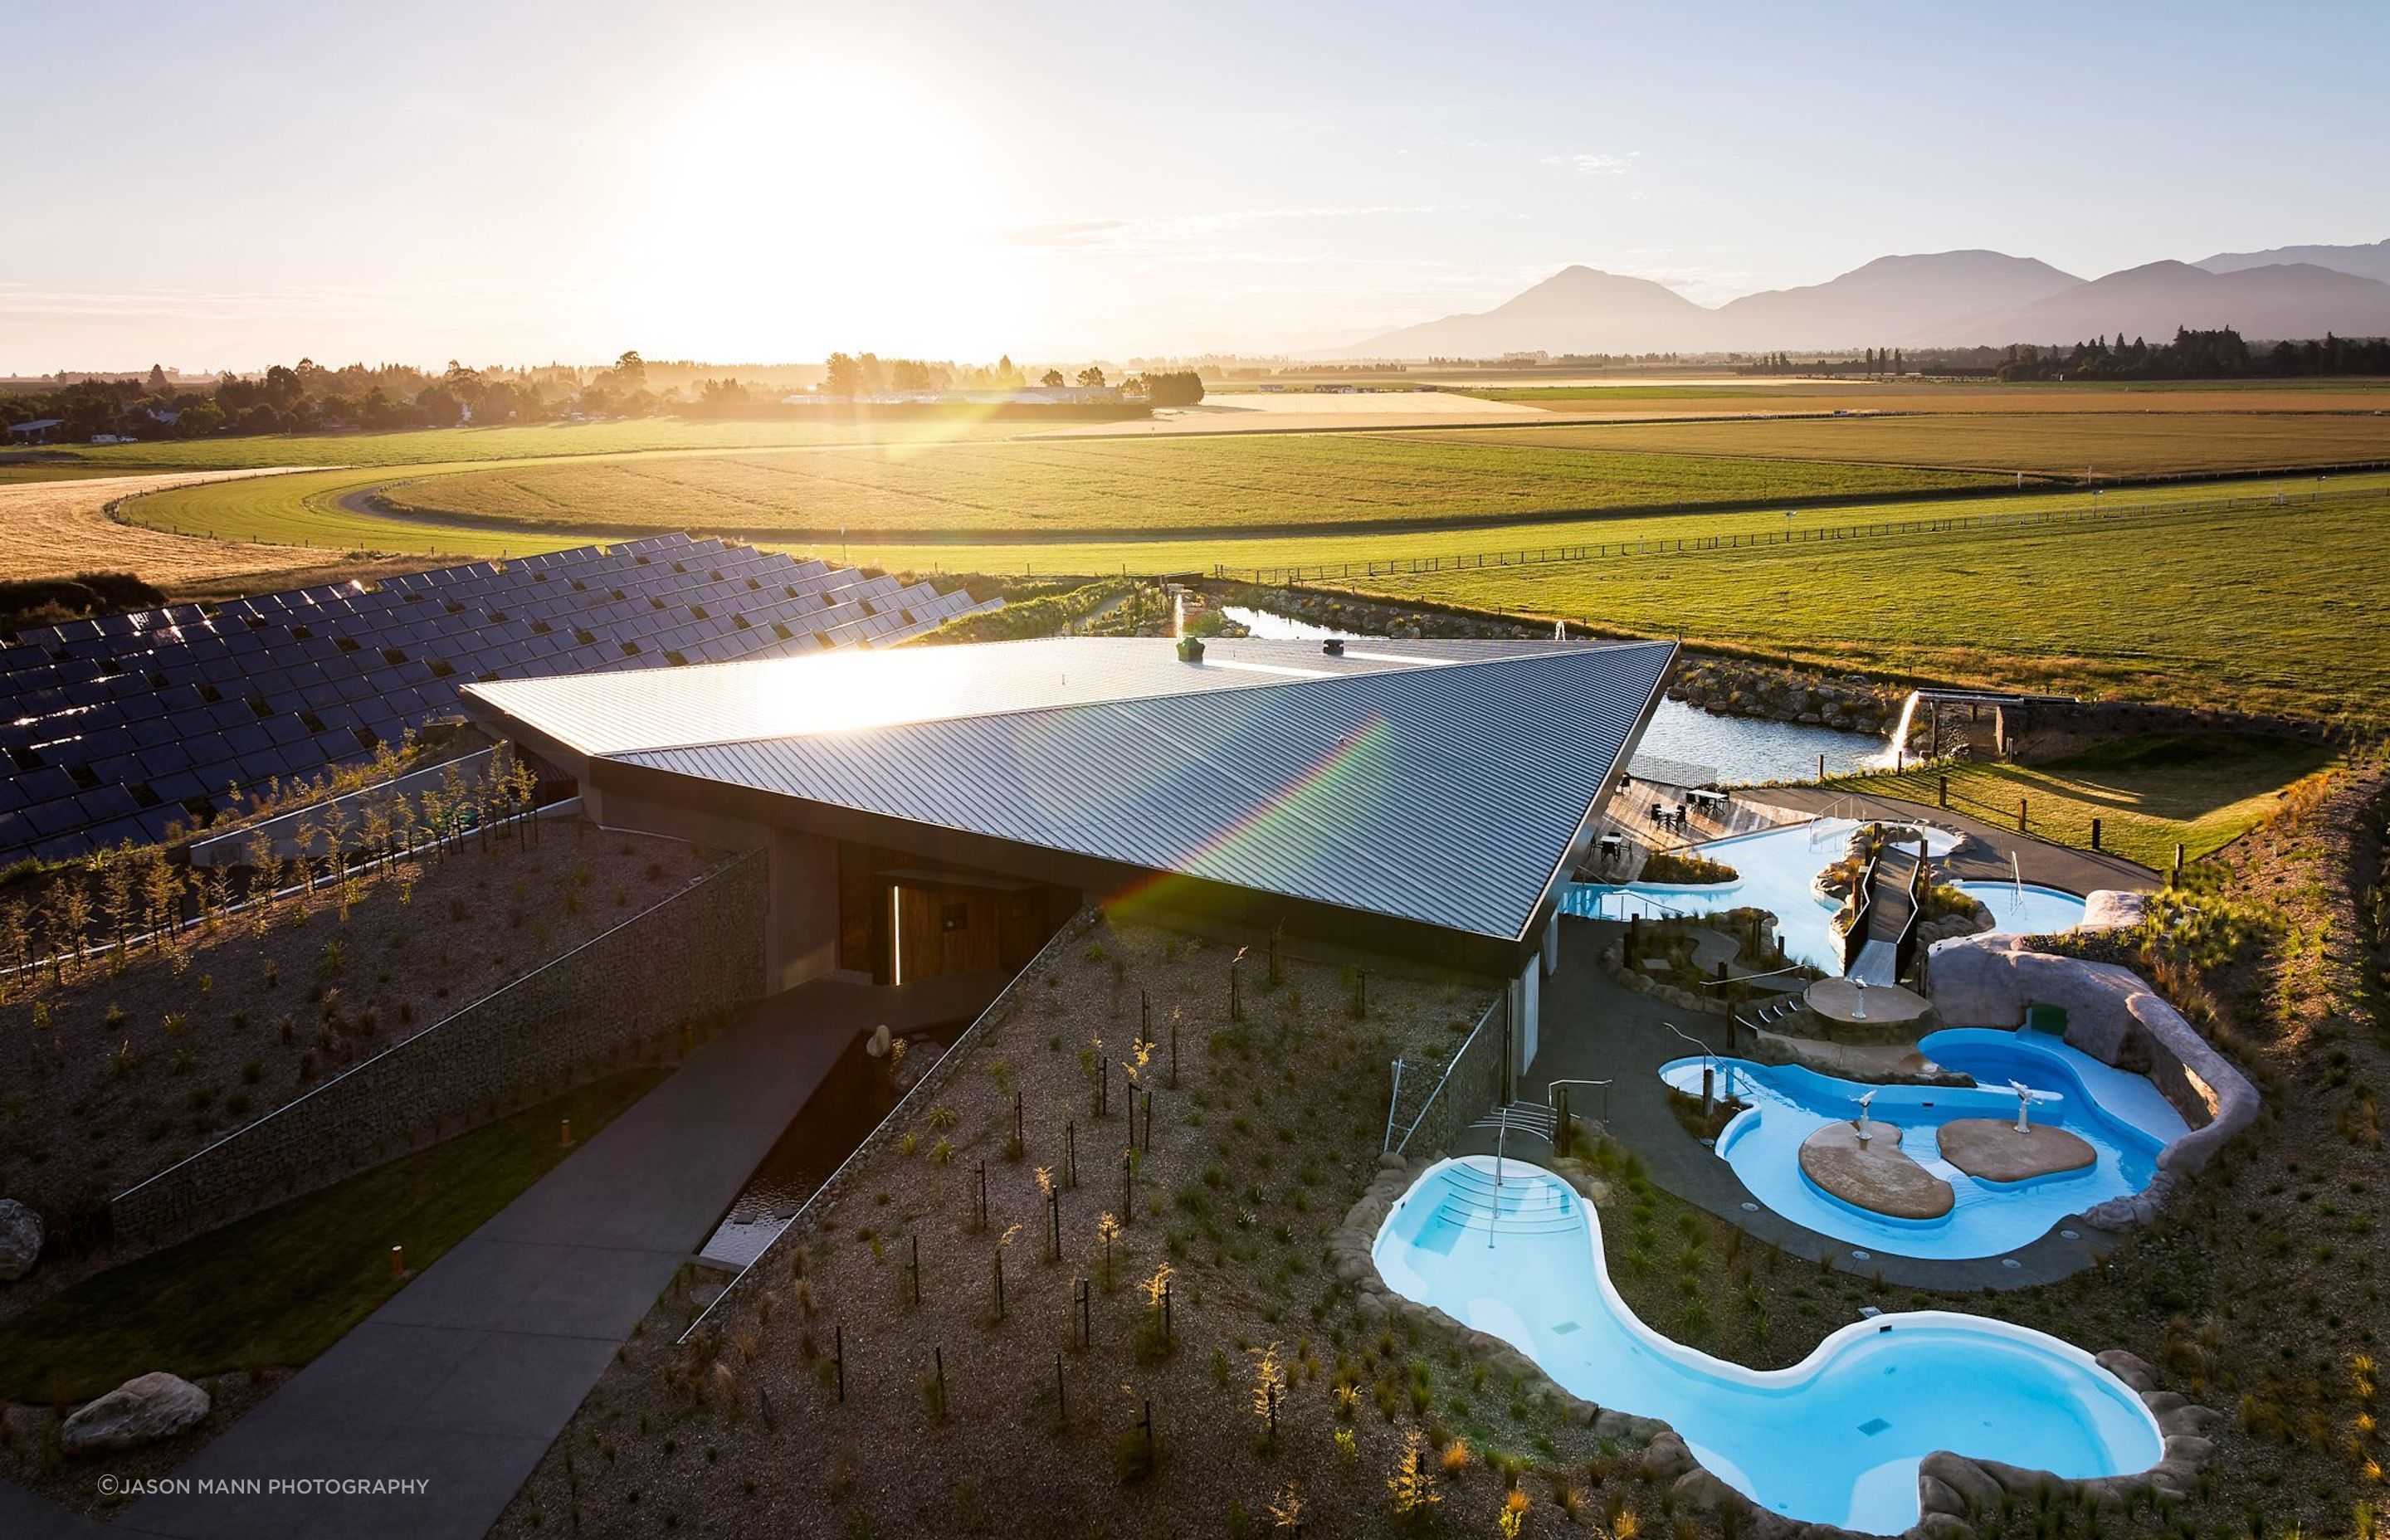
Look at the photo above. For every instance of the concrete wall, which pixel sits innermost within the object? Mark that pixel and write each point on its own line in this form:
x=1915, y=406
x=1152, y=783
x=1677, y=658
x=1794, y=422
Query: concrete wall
x=800, y=920
x=621, y=998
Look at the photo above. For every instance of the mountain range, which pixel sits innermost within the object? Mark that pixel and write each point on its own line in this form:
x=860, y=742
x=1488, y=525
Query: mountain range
x=1949, y=298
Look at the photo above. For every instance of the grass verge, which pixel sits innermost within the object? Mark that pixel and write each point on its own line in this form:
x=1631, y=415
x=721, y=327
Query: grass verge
x=2203, y=791
x=277, y=1288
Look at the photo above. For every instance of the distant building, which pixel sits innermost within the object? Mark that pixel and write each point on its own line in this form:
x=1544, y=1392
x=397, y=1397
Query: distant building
x=38, y=430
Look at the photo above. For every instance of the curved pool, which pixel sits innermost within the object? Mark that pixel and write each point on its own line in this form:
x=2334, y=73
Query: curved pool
x=1835, y=1439
x=2027, y=910
x=2123, y=1117
x=1774, y=871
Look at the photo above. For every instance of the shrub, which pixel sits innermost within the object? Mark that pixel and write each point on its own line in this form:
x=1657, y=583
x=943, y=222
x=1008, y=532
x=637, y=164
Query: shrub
x=1668, y=865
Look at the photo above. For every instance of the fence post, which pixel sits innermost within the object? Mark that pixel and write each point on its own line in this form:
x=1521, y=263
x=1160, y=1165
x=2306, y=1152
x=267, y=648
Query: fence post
x=2095, y=834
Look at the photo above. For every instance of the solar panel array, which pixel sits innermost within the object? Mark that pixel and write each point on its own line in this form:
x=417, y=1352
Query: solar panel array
x=118, y=727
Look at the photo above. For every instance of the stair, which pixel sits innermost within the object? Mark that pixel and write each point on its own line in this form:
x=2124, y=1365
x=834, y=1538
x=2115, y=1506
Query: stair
x=1530, y=1207
x=1526, y=1117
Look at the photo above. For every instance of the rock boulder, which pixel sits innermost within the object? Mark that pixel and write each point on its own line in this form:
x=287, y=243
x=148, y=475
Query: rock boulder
x=20, y=1239
x=140, y=1411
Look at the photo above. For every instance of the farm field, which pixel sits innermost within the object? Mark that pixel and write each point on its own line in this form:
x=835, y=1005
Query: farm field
x=2172, y=598
x=1033, y=488
x=1968, y=395
x=433, y=445
x=2058, y=444
x=2149, y=794
x=60, y=528
x=2257, y=609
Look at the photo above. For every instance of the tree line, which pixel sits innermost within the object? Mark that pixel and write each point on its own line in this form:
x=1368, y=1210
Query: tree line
x=2197, y=355
x=306, y=397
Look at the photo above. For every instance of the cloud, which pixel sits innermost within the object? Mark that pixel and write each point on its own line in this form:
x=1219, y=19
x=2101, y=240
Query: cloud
x=1596, y=162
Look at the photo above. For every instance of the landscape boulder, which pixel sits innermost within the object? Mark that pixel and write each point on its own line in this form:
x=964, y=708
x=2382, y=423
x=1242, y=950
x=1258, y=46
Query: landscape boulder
x=2107, y=910
x=20, y=1239
x=140, y=1411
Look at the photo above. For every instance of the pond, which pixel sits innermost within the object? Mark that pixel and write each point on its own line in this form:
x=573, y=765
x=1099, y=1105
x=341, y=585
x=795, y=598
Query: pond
x=843, y=1110
x=1728, y=750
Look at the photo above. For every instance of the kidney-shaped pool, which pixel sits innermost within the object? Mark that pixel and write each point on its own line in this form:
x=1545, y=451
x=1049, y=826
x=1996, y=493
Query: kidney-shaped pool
x=1835, y=1439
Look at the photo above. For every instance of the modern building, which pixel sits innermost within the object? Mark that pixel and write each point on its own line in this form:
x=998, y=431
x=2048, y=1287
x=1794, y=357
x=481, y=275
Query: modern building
x=936, y=810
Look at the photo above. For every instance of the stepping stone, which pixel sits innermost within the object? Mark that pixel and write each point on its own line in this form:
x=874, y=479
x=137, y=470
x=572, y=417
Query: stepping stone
x=1877, y=1176
x=1990, y=1149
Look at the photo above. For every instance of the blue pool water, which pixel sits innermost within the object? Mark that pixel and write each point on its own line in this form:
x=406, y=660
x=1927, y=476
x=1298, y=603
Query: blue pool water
x=1774, y=871
x=1835, y=1439
x=2027, y=911
x=2121, y=1115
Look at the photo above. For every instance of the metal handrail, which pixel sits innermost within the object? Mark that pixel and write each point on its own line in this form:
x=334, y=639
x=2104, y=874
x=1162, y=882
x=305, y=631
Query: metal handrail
x=1863, y=891
x=1554, y=1106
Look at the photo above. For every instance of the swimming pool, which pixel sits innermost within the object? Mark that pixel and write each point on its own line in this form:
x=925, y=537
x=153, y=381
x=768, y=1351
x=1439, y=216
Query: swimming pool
x=1835, y=1439
x=1774, y=871
x=2124, y=1118
x=2028, y=910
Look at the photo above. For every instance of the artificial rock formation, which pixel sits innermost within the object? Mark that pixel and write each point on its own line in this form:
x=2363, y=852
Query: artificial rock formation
x=2117, y=1018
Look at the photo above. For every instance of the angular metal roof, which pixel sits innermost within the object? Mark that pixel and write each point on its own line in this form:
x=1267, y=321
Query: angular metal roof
x=1439, y=782
x=610, y=713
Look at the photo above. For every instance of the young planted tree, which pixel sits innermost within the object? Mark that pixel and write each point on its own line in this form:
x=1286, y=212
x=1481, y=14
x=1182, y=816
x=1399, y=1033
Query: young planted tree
x=113, y=869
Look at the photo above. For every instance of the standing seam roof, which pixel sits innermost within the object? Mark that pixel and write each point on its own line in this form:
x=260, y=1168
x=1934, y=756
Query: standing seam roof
x=1446, y=795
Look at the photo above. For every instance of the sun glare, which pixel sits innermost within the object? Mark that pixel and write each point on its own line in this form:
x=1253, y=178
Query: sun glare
x=790, y=216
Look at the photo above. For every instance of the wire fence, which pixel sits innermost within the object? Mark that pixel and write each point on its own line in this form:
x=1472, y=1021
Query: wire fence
x=1820, y=534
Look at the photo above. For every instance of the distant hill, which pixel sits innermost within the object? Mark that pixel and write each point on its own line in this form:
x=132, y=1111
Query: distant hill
x=2289, y=299
x=1890, y=299
x=2366, y=262
x=1575, y=310
x=1950, y=298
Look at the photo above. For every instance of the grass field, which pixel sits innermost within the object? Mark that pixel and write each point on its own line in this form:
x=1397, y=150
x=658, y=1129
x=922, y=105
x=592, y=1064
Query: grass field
x=1178, y=486
x=2257, y=609
x=2061, y=444
x=1973, y=395
x=435, y=445
x=2149, y=794
x=275, y=1289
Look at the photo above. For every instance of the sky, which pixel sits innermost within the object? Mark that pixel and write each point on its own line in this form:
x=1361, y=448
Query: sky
x=231, y=185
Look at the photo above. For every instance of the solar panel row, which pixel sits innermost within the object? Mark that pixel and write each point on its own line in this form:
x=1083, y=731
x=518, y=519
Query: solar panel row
x=120, y=725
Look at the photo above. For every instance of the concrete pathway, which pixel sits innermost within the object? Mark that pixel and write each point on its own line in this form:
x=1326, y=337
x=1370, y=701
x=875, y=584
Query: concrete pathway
x=1597, y=1029
x=465, y=1377
x=1985, y=856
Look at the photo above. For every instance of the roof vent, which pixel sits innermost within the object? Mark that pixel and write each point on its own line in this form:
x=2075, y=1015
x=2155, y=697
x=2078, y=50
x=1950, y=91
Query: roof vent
x=1333, y=647
x=1191, y=649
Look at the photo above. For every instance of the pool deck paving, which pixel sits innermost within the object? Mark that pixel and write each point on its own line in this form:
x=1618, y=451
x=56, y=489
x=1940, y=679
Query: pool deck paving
x=1595, y=1029
x=1985, y=858
x=463, y=1379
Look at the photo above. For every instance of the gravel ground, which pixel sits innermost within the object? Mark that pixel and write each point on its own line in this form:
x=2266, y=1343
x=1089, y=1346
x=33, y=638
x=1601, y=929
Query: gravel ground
x=1268, y=1137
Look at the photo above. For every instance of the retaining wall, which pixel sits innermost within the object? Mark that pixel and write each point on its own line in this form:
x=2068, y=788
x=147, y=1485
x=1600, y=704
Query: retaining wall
x=623, y=996
x=1469, y=1087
